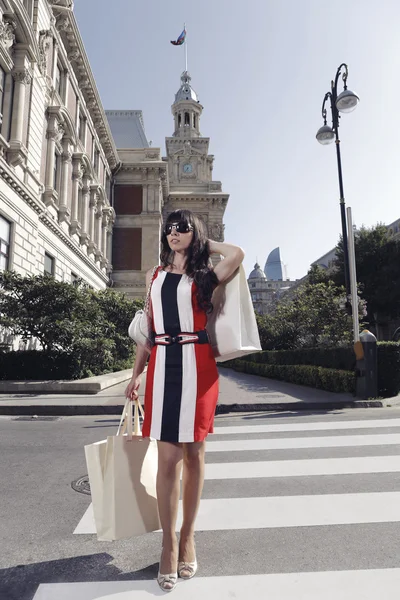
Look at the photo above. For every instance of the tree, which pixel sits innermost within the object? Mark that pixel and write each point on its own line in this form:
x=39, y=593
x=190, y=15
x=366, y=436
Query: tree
x=378, y=272
x=315, y=315
x=91, y=326
x=41, y=307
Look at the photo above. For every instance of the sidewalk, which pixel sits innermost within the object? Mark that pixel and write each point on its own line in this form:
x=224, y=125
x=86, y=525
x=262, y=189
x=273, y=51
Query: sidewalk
x=239, y=392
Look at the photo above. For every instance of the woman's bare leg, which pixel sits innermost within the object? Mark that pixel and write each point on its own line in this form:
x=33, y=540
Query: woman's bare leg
x=192, y=487
x=168, y=490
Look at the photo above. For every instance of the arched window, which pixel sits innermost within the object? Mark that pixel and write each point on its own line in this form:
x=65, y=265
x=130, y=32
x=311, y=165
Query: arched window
x=179, y=120
x=194, y=121
x=187, y=119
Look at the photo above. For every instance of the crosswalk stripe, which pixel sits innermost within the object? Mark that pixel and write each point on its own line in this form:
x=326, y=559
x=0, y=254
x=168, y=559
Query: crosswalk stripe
x=306, y=467
x=367, y=584
x=309, y=426
x=284, y=511
x=307, y=442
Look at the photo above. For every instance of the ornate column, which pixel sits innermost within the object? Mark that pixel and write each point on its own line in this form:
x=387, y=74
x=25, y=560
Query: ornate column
x=92, y=209
x=77, y=172
x=98, y=227
x=55, y=61
x=18, y=153
x=84, y=217
x=66, y=159
x=109, y=240
x=54, y=135
x=105, y=222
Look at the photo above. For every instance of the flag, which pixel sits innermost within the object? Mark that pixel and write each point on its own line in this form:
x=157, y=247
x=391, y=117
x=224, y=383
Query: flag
x=180, y=39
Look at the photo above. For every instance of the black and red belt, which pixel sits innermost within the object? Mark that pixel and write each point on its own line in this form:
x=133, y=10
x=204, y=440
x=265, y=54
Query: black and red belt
x=182, y=338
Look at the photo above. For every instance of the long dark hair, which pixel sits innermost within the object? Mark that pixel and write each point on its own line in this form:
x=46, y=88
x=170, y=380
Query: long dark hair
x=198, y=257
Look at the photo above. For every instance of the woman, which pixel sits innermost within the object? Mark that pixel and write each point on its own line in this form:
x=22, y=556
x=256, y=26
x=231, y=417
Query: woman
x=182, y=379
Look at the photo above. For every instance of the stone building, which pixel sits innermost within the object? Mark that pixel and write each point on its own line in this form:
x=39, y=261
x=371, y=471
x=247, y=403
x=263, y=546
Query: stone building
x=147, y=187
x=57, y=154
x=267, y=287
x=190, y=166
x=82, y=192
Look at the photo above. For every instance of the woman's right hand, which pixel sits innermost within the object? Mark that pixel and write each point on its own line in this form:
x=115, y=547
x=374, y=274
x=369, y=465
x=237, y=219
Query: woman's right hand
x=132, y=391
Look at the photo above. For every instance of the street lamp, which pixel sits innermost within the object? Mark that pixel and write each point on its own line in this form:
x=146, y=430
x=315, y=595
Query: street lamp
x=345, y=102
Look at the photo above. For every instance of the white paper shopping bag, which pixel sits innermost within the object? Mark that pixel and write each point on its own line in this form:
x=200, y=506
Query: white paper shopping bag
x=126, y=503
x=232, y=325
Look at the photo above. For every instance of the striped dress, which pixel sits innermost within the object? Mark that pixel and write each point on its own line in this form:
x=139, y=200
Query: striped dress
x=182, y=380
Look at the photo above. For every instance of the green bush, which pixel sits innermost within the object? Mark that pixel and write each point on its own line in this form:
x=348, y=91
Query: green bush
x=36, y=365
x=86, y=329
x=331, y=380
x=330, y=358
x=321, y=367
x=388, y=368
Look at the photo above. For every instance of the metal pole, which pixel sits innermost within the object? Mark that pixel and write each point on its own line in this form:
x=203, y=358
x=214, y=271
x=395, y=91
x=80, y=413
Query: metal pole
x=186, y=58
x=335, y=121
x=353, y=277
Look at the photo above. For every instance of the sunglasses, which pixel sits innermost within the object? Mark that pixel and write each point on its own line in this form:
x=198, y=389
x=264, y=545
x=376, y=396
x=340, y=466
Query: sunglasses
x=181, y=227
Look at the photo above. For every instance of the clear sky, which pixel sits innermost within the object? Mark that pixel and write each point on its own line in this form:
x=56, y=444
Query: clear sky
x=261, y=69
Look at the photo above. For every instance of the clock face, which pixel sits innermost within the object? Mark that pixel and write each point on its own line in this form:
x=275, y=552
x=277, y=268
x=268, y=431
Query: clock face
x=188, y=168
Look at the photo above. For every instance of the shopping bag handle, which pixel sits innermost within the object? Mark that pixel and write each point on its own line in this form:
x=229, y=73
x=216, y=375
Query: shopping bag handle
x=129, y=421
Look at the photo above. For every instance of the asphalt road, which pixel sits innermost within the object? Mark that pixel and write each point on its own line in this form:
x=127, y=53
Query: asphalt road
x=291, y=502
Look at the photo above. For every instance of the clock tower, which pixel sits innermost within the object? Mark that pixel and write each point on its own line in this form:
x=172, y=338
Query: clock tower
x=190, y=166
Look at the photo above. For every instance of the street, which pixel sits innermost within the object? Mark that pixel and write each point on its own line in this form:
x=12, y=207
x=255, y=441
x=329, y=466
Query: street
x=295, y=505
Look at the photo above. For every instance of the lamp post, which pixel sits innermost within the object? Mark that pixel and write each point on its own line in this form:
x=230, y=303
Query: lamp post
x=345, y=102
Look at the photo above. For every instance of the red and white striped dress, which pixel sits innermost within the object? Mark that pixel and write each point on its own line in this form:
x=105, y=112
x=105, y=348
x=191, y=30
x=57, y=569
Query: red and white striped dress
x=182, y=380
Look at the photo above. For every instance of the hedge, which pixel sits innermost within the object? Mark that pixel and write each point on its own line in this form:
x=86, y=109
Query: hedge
x=331, y=358
x=331, y=369
x=331, y=380
x=388, y=369
x=38, y=365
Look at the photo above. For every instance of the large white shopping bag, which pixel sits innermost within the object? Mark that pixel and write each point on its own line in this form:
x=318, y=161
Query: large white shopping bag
x=122, y=474
x=232, y=325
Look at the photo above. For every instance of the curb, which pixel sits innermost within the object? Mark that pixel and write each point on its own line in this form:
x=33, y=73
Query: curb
x=68, y=411
x=89, y=386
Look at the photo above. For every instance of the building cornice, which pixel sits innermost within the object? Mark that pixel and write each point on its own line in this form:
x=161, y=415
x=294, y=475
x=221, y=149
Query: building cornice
x=67, y=28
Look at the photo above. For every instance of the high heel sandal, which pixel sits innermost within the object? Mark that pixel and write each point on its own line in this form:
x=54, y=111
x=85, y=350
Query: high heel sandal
x=170, y=579
x=191, y=567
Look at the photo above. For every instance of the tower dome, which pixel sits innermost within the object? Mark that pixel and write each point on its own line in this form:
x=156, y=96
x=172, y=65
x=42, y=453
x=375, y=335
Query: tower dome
x=187, y=110
x=186, y=92
x=257, y=273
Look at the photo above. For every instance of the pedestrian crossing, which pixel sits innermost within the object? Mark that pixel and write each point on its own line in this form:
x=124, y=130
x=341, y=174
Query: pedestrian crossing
x=283, y=479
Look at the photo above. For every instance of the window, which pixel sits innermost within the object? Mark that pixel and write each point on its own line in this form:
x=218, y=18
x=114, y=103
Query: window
x=48, y=264
x=179, y=120
x=56, y=170
x=2, y=85
x=57, y=83
x=108, y=188
x=96, y=161
x=82, y=128
x=187, y=119
x=74, y=279
x=5, y=234
x=194, y=121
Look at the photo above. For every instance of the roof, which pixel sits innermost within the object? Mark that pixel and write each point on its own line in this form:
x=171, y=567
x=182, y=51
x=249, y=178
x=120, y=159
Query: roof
x=257, y=273
x=186, y=92
x=127, y=128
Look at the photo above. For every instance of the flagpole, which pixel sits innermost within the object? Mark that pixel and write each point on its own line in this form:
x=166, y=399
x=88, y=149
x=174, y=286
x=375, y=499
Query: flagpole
x=186, y=58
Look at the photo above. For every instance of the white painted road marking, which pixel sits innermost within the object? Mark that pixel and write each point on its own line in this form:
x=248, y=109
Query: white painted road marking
x=327, y=585
x=302, y=468
x=284, y=511
x=335, y=441
x=310, y=426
